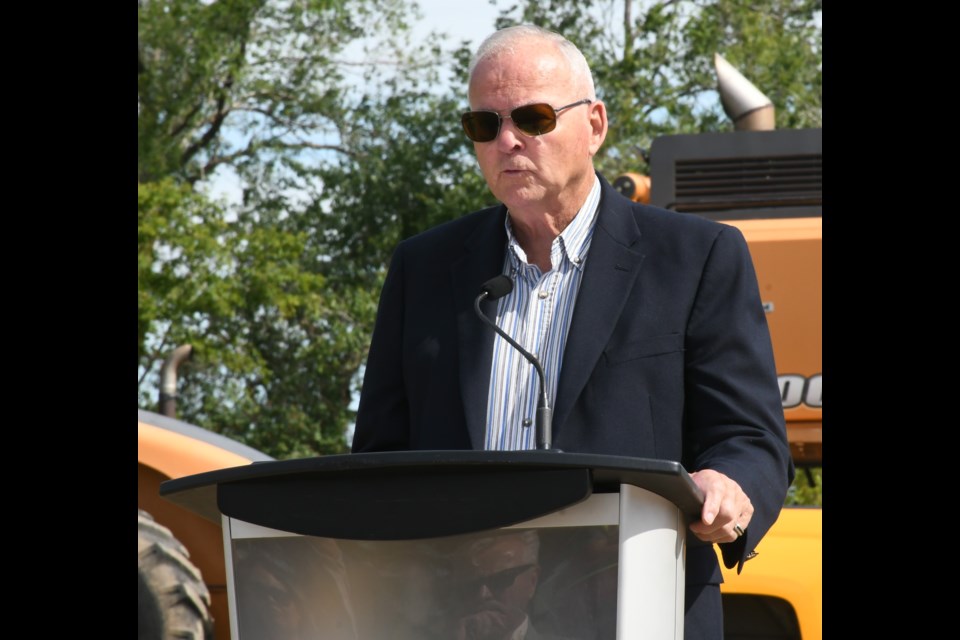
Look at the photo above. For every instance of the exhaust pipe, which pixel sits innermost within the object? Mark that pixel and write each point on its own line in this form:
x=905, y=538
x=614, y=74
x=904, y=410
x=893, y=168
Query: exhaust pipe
x=168, y=379
x=744, y=104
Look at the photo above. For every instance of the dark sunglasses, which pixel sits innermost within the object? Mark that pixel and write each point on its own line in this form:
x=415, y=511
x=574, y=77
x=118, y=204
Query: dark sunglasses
x=531, y=120
x=497, y=582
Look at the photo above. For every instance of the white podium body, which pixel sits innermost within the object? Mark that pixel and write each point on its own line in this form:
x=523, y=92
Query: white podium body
x=464, y=548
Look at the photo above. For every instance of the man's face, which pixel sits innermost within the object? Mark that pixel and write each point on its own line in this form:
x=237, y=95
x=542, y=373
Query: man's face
x=546, y=172
x=496, y=589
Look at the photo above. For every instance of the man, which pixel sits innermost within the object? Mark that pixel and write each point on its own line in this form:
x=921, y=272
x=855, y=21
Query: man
x=648, y=322
x=495, y=578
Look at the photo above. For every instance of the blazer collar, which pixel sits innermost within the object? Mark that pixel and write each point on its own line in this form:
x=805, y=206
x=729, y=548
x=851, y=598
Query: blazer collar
x=483, y=255
x=613, y=264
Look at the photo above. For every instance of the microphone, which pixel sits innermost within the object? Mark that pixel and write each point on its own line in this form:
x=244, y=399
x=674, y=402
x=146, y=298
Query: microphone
x=494, y=289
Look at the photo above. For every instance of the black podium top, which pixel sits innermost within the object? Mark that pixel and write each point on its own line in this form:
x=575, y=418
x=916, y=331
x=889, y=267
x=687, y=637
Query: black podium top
x=406, y=495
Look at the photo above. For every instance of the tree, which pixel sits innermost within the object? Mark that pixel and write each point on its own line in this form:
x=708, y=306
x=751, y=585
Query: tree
x=807, y=488
x=279, y=326
x=345, y=140
x=652, y=62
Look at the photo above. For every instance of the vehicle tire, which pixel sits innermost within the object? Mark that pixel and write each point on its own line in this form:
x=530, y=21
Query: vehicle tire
x=173, y=601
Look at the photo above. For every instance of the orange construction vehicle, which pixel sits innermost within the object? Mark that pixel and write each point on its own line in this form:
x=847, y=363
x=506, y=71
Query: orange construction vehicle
x=181, y=576
x=769, y=185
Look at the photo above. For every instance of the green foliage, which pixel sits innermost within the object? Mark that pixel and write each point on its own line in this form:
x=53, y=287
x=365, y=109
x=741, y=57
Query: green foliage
x=807, y=488
x=275, y=345
x=192, y=57
x=344, y=137
x=180, y=262
x=398, y=183
x=279, y=326
x=653, y=62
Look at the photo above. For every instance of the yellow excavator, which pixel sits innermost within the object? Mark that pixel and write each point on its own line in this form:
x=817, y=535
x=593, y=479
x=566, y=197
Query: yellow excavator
x=181, y=576
x=767, y=183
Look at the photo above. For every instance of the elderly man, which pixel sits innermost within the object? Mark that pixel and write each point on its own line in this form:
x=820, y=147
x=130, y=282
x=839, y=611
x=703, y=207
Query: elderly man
x=495, y=578
x=648, y=322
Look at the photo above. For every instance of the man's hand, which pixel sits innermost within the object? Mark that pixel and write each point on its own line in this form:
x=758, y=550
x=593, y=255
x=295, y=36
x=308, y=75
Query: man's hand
x=725, y=506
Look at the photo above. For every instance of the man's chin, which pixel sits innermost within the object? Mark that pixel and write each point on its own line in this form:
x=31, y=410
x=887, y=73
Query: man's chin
x=490, y=624
x=521, y=196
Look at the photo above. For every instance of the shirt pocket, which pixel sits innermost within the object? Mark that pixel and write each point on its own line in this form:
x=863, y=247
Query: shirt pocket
x=645, y=348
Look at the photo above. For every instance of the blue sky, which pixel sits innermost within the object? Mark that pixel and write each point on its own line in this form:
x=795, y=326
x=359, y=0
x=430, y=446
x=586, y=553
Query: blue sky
x=460, y=20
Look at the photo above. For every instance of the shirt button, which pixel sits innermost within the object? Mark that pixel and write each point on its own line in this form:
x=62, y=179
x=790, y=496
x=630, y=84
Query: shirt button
x=527, y=422
x=542, y=295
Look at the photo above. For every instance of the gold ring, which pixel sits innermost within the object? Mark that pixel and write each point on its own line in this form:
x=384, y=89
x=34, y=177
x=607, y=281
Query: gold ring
x=738, y=529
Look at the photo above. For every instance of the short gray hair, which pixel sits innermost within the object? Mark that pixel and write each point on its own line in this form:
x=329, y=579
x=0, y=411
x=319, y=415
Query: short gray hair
x=529, y=540
x=504, y=41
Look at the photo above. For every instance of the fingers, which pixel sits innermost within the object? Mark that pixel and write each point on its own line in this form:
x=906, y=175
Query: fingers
x=727, y=510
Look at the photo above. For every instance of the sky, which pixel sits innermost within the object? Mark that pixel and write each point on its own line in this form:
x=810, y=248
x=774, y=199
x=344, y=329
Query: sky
x=460, y=20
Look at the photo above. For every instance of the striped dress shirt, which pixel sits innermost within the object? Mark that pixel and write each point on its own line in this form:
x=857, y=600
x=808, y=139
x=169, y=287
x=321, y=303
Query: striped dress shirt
x=537, y=315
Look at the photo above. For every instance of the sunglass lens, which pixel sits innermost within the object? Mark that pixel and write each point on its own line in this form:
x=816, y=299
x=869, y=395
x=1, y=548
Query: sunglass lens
x=480, y=126
x=535, y=119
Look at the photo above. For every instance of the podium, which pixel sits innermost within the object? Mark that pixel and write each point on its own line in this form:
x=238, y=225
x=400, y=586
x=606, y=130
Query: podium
x=451, y=545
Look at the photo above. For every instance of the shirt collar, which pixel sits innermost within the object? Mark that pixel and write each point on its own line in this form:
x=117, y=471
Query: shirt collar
x=521, y=632
x=574, y=241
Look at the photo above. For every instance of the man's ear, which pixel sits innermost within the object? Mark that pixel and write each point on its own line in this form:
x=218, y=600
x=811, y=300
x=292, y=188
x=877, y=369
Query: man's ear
x=598, y=125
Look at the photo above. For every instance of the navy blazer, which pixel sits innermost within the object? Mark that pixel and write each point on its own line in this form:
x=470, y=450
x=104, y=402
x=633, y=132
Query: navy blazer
x=668, y=354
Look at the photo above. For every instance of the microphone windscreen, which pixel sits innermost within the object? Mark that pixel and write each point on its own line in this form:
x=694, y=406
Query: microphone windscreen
x=497, y=287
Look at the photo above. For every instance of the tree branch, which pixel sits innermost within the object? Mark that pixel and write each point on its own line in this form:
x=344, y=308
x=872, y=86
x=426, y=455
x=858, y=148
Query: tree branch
x=185, y=122
x=216, y=161
x=216, y=122
x=220, y=114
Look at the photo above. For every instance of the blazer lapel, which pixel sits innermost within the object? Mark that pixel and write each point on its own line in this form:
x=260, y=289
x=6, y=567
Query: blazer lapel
x=611, y=269
x=482, y=259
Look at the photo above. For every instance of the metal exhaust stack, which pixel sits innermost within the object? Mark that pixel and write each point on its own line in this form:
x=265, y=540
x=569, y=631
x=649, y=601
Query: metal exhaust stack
x=168, y=379
x=744, y=104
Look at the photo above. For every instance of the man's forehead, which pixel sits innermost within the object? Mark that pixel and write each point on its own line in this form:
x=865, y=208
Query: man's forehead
x=517, y=80
x=491, y=554
x=527, y=60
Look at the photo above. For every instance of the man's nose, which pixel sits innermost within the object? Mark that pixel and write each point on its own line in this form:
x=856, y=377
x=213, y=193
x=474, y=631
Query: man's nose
x=509, y=137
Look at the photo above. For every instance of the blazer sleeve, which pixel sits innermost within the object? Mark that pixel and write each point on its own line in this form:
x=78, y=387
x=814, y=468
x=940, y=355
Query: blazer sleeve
x=383, y=420
x=734, y=420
